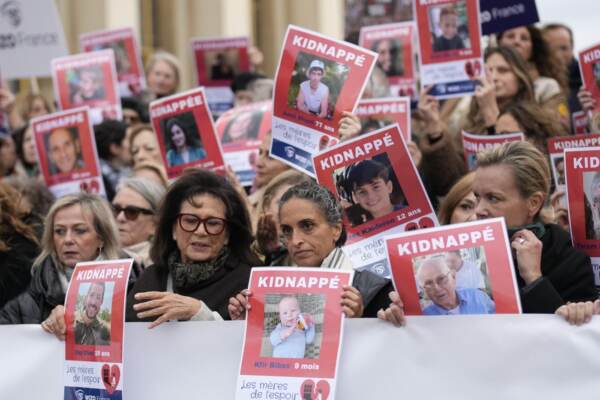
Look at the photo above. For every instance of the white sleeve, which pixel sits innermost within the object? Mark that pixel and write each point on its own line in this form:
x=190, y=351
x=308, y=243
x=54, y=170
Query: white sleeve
x=206, y=314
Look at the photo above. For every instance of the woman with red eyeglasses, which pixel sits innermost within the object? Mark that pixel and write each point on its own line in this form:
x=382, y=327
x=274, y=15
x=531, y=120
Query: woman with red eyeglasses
x=135, y=207
x=201, y=253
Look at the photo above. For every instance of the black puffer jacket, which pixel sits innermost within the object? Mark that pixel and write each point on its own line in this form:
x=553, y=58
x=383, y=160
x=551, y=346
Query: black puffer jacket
x=15, y=265
x=34, y=305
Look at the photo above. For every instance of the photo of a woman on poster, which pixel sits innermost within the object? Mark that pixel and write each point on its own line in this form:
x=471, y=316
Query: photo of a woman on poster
x=390, y=56
x=244, y=126
x=182, y=140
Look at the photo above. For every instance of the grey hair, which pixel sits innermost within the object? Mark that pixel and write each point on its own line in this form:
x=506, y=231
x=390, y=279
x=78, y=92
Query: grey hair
x=437, y=260
x=151, y=191
x=322, y=198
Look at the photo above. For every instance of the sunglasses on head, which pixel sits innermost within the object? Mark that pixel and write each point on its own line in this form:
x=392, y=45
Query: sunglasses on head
x=131, y=212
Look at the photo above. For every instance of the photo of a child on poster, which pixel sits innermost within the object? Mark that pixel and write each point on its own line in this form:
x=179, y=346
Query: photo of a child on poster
x=88, y=79
x=66, y=151
x=473, y=144
x=449, y=35
x=583, y=197
x=217, y=61
x=293, y=333
x=242, y=130
x=380, y=191
x=128, y=62
x=456, y=269
x=393, y=44
x=375, y=114
x=317, y=79
x=186, y=133
x=556, y=148
x=94, y=317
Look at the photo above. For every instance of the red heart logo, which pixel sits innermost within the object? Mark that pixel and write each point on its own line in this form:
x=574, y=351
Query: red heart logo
x=411, y=226
x=426, y=223
x=311, y=391
x=111, y=377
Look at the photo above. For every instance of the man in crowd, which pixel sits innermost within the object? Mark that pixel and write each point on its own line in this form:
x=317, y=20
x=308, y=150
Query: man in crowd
x=438, y=281
x=64, y=150
x=89, y=330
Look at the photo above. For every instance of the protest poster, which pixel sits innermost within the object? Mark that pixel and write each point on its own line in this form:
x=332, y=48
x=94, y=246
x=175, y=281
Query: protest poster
x=88, y=79
x=378, y=113
x=583, y=197
x=393, y=44
x=94, y=318
x=128, y=61
x=473, y=144
x=293, y=334
x=217, y=61
x=31, y=35
x=66, y=151
x=556, y=148
x=317, y=79
x=449, y=46
x=361, y=13
x=380, y=191
x=502, y=15
x=580, y=122
x=186, y=133
x=589, y=65
x=241, y=130
x=455, y=269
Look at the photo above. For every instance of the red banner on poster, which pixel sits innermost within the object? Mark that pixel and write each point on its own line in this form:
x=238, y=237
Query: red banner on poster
x=94, y=319
x=241, y=131
x=317, y=79
x=473, y=144
x=88, y=79
x=455, y=269
x=557, y=146
x=380, y=191
x=66, y=151
x=393, y=44
x=186, y=133
x=128, y=61
x=449, y=35
x=379, y=113
x=293, y=333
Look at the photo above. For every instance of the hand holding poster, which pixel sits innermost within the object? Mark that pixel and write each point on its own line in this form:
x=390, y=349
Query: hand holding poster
x=455, y=269
x=66, y=150
x=186, y=133
x=589, y=64
x=217, y=62
x=393, y=44
x=379, y=113
x=380, y=191
x=241, y=131
x=583, y=197
x=88, y=79
x=450, y=46
x=473, y=144
x=94, y=317
x=556, y=148
x=293, y=334
x=130, y=71
x=317, y=79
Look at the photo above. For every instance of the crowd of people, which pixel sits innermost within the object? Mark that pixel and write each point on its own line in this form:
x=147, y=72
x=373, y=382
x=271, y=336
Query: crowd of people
x=195, y=240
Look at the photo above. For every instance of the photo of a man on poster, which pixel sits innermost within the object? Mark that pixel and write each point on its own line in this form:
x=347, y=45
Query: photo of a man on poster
x=313, y=96
x=182, y=140
x=64, y=150
x=371, y=190
x=438, y=281
x=89, y=329
x=446, y=31
x=86, y=85
x=221, y=69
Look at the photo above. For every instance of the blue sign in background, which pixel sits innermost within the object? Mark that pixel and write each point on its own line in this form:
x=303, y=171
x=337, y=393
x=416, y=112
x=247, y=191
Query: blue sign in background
x=500, y=15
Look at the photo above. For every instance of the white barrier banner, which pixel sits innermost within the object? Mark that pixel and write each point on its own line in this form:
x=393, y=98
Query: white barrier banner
x=31, y=35
x=495, y=357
